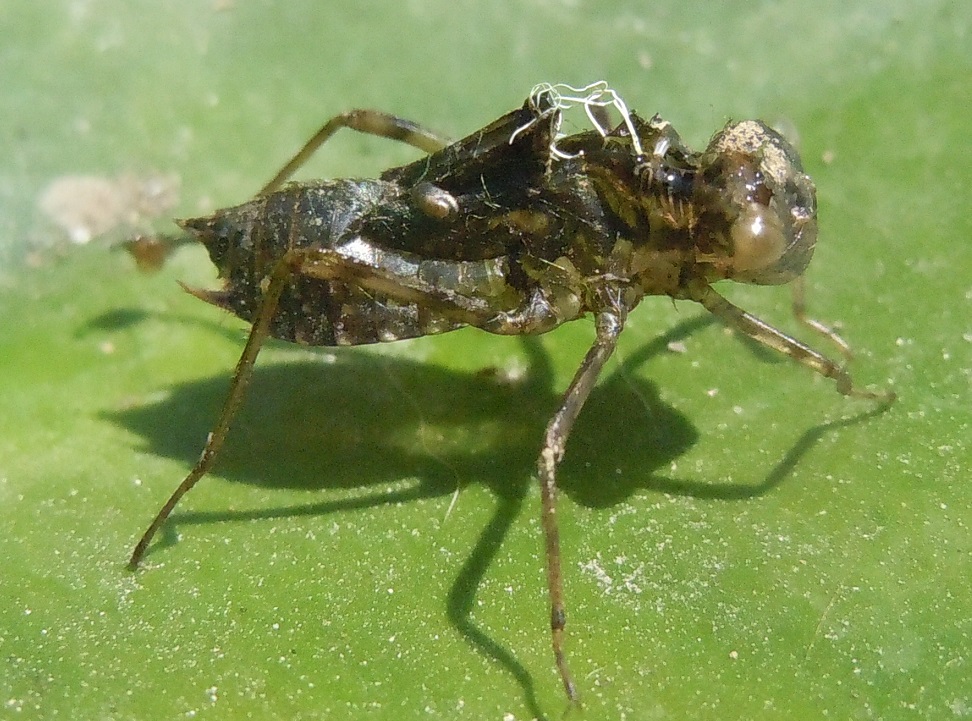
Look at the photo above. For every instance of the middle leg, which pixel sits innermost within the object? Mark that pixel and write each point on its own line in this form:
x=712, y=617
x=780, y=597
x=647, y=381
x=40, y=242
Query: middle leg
x=555, y=440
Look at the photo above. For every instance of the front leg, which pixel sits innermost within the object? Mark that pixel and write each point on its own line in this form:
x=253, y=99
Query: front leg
x=770, y=337
x=609, y=324
x=799, y=304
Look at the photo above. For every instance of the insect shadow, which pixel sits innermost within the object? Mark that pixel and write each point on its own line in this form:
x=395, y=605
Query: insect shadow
x=364, y=421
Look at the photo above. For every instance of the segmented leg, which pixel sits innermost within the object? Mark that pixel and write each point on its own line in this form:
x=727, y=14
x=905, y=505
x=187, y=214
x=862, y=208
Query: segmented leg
x=555, y=439
x=798, y=287
x=371, y=122
x=277, y=281
x=772, y=338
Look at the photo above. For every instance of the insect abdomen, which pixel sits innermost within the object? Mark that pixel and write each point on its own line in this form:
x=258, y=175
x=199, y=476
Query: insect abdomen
x=246, y=243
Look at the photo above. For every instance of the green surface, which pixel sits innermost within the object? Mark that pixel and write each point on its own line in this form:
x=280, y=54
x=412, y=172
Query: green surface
x=739, y=540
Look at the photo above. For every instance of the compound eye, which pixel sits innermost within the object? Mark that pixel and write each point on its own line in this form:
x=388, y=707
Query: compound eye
x=758, y=239
x=774, y=229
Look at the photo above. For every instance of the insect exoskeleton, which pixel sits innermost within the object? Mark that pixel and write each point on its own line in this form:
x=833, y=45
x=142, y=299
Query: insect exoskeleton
x=769, y=204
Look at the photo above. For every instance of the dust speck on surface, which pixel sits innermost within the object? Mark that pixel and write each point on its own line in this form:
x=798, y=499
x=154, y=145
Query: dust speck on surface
x=85, y=207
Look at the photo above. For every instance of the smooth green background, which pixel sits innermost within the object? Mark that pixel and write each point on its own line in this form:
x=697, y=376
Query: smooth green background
x=739, y=540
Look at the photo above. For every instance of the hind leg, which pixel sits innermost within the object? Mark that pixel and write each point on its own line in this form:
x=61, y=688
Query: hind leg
x=370, y=122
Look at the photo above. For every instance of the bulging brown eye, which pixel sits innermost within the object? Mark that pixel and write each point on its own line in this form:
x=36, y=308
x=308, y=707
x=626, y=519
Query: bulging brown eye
x=772, y=204
x=759, y=239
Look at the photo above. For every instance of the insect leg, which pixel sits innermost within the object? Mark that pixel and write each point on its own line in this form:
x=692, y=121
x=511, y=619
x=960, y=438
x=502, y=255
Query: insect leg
x=277, y=281
x=777, y=340
x=370, y=122
x=555, y=439
x=800, y=313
